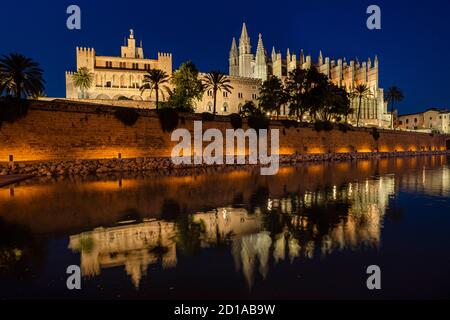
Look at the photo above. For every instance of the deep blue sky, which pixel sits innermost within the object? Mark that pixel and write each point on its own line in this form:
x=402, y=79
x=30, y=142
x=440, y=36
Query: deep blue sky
x=413, y=45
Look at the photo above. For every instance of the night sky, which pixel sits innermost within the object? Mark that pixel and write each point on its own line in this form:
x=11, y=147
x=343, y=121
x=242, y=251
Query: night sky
x=413, y=44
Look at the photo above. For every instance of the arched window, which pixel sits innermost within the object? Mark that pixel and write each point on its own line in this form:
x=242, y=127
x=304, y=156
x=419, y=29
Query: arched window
x=225, y=107
x=210, y=106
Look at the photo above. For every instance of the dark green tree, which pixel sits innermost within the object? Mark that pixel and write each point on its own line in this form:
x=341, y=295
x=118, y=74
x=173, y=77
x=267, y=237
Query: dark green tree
x=315, y=87
x=250, y=109
x=272, y=95
x=296, y=88
x=187, y=87
x=336, y=103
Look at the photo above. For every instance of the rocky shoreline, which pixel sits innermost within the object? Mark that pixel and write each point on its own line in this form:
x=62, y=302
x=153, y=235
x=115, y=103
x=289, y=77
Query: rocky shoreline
x=102, y=166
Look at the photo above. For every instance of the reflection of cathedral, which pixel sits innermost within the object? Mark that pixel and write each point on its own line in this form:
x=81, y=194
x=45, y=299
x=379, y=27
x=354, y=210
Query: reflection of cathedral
x=301, y=226
x=361, y=226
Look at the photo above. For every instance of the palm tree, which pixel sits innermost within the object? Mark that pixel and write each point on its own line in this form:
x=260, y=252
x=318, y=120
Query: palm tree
x=154, y=80
x=37, y=95
x=217, y=81
x=393, y=95
x=360, y=92
x=83, y=80
x=20, y=76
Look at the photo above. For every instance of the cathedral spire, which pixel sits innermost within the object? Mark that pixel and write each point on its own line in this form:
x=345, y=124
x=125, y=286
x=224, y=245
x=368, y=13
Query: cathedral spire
x=244, y=41
x=260, y=60
x=320, y=58
x=274, y=54
x=244, y=34
x=234, y=59
x=234, y=49
x=260, y=49
x=288, y=55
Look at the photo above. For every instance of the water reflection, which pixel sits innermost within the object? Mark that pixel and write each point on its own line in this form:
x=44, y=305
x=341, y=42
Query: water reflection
x=130, y=224
x=135, y=247
x=295, y=226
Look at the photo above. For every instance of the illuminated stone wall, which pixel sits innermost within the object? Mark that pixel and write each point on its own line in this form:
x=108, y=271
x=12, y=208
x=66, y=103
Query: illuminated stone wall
x=60, y=130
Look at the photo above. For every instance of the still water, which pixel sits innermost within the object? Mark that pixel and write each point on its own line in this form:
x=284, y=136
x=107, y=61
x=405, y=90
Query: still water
x=309, y=232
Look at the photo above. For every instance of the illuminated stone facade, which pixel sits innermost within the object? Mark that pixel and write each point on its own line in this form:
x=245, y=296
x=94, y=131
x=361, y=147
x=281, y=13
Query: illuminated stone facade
x=121, y=77
x=431, y=120
x=116, y=77
x=345, y=74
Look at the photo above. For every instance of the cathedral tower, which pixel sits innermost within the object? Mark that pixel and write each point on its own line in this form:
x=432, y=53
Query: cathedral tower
x=234, y=59
x=245, y=54
x=260, y=61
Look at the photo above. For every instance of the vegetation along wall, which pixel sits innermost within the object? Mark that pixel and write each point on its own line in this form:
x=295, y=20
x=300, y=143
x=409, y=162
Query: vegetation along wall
x=56, y=130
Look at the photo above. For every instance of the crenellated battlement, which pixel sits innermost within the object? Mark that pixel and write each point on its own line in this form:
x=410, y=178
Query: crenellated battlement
x=164, y=55
x=86, y=51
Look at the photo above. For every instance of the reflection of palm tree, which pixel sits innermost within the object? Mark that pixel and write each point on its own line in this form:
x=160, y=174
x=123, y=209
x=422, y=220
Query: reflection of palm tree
x=159, y=250
x=20, y=252
x=170, y=210
x=259, y=199
x=189, y=234
x=222, y=241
